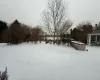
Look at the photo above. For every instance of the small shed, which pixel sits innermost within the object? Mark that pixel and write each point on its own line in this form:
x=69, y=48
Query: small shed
x=94, y=38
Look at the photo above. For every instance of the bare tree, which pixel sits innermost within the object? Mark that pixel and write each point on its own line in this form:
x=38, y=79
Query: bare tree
x=54, y=16
x=80, y=25
x=65, y=26
x=47, y=22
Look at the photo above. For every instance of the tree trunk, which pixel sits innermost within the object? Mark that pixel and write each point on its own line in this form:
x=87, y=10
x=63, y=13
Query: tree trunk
x=54, y=36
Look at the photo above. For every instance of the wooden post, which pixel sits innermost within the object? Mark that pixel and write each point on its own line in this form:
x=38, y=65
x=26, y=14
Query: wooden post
x=96, y=39
x=89, y=39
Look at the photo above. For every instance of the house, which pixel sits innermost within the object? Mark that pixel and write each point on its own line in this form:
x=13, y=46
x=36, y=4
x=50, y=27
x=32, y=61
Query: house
x=94, y=38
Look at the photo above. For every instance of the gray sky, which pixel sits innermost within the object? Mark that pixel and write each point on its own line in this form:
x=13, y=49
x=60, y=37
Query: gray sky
x=28, y=11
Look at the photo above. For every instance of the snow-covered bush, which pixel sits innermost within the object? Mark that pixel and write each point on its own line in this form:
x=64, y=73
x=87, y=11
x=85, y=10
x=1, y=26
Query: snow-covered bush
x=3, y=75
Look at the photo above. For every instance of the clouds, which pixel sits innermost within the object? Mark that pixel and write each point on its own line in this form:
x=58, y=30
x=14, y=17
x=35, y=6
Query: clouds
x=81, y=10
x=28, y=11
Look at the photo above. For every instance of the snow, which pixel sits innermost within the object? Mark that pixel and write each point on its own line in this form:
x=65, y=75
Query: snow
x=77, y=42
x=29, y=61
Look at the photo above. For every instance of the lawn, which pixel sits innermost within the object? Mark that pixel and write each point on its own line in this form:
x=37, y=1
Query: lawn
x=29, y=61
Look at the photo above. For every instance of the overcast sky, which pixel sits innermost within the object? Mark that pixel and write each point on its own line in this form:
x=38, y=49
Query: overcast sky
x=28, y=11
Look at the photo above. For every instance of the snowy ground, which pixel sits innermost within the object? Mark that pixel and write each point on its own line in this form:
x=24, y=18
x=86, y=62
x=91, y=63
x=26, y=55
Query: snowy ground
x=30, y=61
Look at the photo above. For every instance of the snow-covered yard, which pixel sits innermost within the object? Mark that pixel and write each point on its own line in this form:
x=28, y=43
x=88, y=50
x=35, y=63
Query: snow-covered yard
x=30, y=61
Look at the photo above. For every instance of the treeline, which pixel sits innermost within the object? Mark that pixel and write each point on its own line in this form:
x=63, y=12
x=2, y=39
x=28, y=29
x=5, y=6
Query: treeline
x=82, y=30
x=17, y=32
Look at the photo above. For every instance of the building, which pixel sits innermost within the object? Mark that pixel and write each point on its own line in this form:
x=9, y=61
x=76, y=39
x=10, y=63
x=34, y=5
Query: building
x=94, y=38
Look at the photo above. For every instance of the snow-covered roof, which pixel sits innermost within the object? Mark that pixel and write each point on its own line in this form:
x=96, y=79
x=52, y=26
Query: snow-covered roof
x=96, y=32
x=77, y=42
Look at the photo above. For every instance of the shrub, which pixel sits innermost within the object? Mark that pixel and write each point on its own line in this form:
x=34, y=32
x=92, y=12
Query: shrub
x=3, y=75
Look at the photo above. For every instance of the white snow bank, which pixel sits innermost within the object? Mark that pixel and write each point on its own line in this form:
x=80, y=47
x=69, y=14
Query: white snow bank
x=49, y=62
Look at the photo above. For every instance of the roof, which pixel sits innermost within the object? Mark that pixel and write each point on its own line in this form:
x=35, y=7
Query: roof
x=96, y=32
